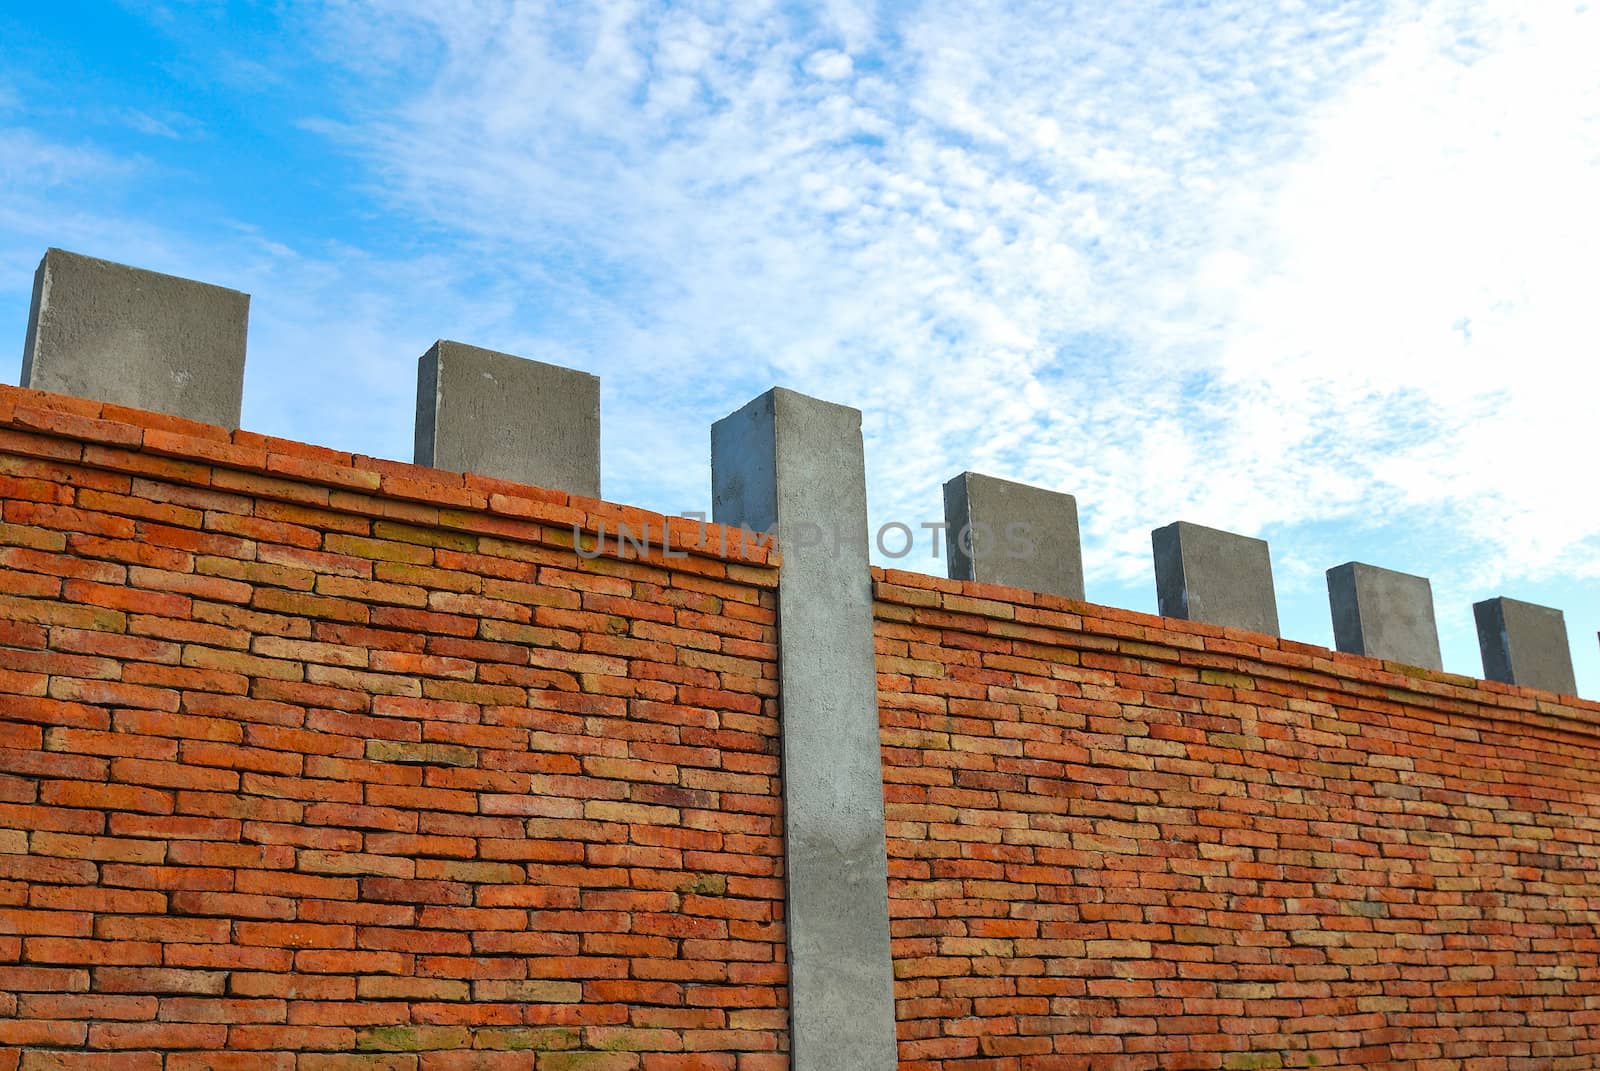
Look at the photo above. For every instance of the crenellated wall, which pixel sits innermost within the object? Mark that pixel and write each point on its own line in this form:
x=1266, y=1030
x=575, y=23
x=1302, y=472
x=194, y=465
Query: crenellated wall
x=311, y=761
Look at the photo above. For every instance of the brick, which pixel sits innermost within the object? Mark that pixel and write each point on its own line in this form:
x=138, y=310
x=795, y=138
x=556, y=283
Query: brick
x=56, y=565
x=588, y=1061
x=67, y=519
x=173, y=775
x=76, y=952
x=13, y=842
x=113, y=693
x=690, y=1061
x=380, y=987
x=413, y=1038
x=256, y=573
x=213, y=954
x=232, y=626
x=109, y=849
x=357, y=1062
x=420, y=754
x=83, y=1006
x=293, y=1037
x=475, y=1061
x=238, y=905
x=44, y=612
x=132, y=600
x=210, y=588
x=300, y=604
x=18, y=535
x=159, y=877
x=402, y=890
x=31, y=979
x=162, y=1036
x=234, y=1061
x=42, y=1060
x=321, y=862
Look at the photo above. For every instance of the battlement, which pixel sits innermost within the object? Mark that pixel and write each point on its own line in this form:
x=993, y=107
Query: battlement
x=139, y=339
x=313, y=761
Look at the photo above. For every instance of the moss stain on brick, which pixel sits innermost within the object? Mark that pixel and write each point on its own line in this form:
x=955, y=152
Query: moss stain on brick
x=412, y=1038
x=706, y=885
x=525, y=1039
x=1252, y=1061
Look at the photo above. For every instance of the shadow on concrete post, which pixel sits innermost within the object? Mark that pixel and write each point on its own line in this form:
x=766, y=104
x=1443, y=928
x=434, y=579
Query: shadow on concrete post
x=499, y=415
x=1205, y=574
x=137, y=338
x=1524, y=643
x=1000, y=532
x=795, y=462
x=1384, y=614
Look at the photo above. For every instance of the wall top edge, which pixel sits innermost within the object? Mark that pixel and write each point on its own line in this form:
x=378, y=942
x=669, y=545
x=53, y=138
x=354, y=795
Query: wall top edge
x=992, y=609
x=335, y=479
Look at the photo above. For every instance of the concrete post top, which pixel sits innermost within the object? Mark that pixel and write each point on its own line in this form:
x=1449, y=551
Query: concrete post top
x=1201, y=534
x=1524, y=643
x=497, y=414
x=56, y=257
x=1362, y=569
x=751, y=474
x=1011, y=533
x=1383, y=613
x=114, y=333
x=781, y=401
x=999, y=483
x=1221, y=578
x=484, y=359
x=1518, y=606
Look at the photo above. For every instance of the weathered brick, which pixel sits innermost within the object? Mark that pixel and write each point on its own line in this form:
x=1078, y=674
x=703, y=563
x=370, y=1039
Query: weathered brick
x=46, y=1060
x=588, y=1061
x=357, y=1062
x=413, y=1038
x=309, y=747
x=420, y=754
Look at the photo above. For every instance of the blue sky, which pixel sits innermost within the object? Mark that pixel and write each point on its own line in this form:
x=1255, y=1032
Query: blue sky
x=1319, y=272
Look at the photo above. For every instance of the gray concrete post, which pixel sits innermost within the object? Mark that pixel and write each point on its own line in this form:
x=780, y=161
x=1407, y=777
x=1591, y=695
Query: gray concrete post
x=137, y=338
x=1000, y=532
x=1204, y=574
x=499, y=415
x=796, y=462
x=1383, y=614
x=1523, y=643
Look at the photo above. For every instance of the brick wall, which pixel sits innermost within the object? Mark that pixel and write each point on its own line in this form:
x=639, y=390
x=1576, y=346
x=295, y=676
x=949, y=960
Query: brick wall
x=318, y=762
x=1118, y=841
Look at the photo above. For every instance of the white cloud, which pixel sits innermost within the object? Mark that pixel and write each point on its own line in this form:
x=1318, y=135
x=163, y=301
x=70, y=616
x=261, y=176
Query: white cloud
x=1221, y=264
x=31, y=165
x=171, y=125
x=1426, y=268
x=830, y=64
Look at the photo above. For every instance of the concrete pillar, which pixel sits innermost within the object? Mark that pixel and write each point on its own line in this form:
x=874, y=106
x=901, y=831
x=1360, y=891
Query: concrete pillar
x=1000, y=532
x=499, y=415
x=796, y=462
x=1383, y=614
x=136, y=338
x=1524, y=644
x=1203, y=574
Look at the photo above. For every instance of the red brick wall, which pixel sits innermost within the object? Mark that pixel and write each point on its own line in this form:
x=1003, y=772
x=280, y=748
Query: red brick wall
x=318, y=762
x=312, y=762
x=1118, y=841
